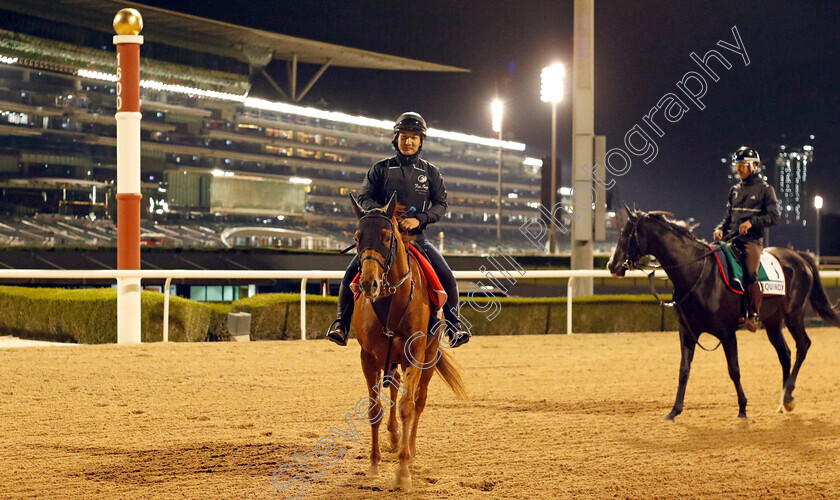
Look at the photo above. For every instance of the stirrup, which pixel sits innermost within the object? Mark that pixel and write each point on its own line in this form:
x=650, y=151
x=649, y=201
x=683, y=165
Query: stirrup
x=457, y=336
x=337, y=333
x=752, y=323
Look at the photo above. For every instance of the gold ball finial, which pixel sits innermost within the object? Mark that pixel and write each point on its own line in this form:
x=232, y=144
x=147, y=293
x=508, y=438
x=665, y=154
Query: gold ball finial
x=128, y=22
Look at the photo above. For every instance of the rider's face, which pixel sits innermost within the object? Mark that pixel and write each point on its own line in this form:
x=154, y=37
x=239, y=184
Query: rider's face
x=743, y=168
x=409, y=142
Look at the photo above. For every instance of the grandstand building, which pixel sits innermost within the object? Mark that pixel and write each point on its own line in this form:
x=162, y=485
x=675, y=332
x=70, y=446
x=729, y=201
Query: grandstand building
x=235, y=168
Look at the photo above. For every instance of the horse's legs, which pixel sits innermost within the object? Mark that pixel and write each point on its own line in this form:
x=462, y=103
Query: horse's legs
x=402, y=478
x=687, y=346
x=393, y=428
x=774, y=334
x=370, y=367
x=796, y=325
x=730, y=349
x=419, y=405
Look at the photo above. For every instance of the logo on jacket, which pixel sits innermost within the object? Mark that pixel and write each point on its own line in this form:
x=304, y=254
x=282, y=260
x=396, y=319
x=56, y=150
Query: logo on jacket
x=421, y=178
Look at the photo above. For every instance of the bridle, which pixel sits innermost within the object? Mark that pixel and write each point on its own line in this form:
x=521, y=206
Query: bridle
x=390, y=289
x=389, y=259
x=633, y=263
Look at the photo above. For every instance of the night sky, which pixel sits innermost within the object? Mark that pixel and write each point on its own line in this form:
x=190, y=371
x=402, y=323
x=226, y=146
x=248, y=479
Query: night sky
x=787, y=93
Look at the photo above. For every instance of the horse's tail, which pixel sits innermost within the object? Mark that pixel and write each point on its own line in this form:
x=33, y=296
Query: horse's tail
x=819, y=299
x=447, y=370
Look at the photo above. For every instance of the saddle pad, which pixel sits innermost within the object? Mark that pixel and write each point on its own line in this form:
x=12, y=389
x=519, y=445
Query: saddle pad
x=427, y=274
x=770, y=275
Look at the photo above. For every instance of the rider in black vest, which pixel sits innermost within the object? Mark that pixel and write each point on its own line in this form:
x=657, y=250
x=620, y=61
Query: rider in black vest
x=751, y=208
x=419, y=186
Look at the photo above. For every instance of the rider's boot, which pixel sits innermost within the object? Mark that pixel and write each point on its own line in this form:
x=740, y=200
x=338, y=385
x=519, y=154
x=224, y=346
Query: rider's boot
x=754, y=307
x=339, y=328
x=457, y=334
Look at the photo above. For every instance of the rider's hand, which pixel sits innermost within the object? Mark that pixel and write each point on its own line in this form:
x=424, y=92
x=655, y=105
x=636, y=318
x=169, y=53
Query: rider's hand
x=717, y=235
x=409, y=224
x=743, y=228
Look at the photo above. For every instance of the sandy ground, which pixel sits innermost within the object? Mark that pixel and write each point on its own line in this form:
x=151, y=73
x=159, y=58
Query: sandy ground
x=549, y=417
x=10, y=341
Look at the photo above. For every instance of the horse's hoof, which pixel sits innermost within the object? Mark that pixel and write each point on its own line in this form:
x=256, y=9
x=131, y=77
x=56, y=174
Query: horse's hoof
x=742, y=415
x=402, y=483
x=789, y=405
x=373, y=471
x=670, y=417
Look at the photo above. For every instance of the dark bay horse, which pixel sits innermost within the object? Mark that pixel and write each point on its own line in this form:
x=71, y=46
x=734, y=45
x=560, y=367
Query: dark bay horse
x=390, y=282
x=705, y=304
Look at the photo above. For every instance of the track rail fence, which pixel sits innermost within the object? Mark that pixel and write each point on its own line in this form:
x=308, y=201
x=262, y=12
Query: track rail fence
x=303, y=276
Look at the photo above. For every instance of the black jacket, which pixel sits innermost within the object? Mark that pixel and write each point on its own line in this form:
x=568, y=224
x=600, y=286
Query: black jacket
x=752, y=200
x=418, y=184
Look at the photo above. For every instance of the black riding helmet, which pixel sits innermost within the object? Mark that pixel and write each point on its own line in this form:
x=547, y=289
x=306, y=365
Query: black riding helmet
x=410, y=122
x=749, y=155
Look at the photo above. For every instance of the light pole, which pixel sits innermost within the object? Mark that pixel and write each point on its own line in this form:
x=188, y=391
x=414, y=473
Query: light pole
x=551, y=90
x=496, y=107
x=818, y=203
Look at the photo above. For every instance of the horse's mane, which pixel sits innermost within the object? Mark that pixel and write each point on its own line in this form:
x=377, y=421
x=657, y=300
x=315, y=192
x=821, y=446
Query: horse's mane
x=680, y=227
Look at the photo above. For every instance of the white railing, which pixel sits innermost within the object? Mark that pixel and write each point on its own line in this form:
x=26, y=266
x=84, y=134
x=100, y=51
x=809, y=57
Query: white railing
x=303, y=276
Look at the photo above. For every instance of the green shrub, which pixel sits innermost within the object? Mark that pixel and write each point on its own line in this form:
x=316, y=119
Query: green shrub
x=544, y=315
x=89, y=316
x=277, y=316
x=218, y=320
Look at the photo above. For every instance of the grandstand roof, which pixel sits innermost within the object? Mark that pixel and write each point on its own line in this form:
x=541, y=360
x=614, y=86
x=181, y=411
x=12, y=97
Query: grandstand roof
x=215, y=37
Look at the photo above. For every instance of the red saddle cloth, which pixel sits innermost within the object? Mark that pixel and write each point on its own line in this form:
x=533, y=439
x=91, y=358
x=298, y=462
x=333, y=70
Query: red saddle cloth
x=428, y=274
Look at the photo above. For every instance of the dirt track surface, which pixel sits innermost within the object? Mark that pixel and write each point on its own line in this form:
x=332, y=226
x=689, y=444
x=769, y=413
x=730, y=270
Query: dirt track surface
x=549, y=417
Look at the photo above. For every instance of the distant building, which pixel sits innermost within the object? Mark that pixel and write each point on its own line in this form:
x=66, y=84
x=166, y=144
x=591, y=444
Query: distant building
x=791, y=188
x=210, y=149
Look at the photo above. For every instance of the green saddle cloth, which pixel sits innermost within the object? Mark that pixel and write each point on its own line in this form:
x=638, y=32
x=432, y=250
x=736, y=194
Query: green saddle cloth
x=771, y=277
x=737, y=269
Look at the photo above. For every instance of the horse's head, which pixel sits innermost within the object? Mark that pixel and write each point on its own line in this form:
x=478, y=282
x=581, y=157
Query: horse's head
x=377, y=245
x=632, y=243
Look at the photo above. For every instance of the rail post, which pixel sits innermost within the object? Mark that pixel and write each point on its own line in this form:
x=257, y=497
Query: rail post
x=569, y=294
x=127, y=24
x=303, y=309
x=166, y=309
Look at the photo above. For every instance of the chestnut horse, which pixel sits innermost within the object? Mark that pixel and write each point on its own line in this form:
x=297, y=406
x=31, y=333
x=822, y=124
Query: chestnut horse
x=703, y=302
x=392, y=289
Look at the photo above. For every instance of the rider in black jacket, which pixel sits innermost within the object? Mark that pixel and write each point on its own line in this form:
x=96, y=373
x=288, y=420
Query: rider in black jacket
x=419, y=186
x=751, y=208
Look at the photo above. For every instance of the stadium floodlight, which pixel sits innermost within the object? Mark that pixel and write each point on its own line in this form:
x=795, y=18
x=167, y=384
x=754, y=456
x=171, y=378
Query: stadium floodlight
x=818, y=202
x=496, y=108
x=300, y=180
x=551, y=79
x=551, y=90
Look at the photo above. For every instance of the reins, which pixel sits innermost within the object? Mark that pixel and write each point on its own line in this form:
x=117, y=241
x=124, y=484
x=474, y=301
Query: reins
x=390, y=289
x=676, y=304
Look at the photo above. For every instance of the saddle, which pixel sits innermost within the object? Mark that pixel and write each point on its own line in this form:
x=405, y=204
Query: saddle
x=427, y=273
x=770, y=275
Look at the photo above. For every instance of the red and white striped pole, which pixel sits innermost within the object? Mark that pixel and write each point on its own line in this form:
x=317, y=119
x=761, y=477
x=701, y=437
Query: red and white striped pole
x=128, y=23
